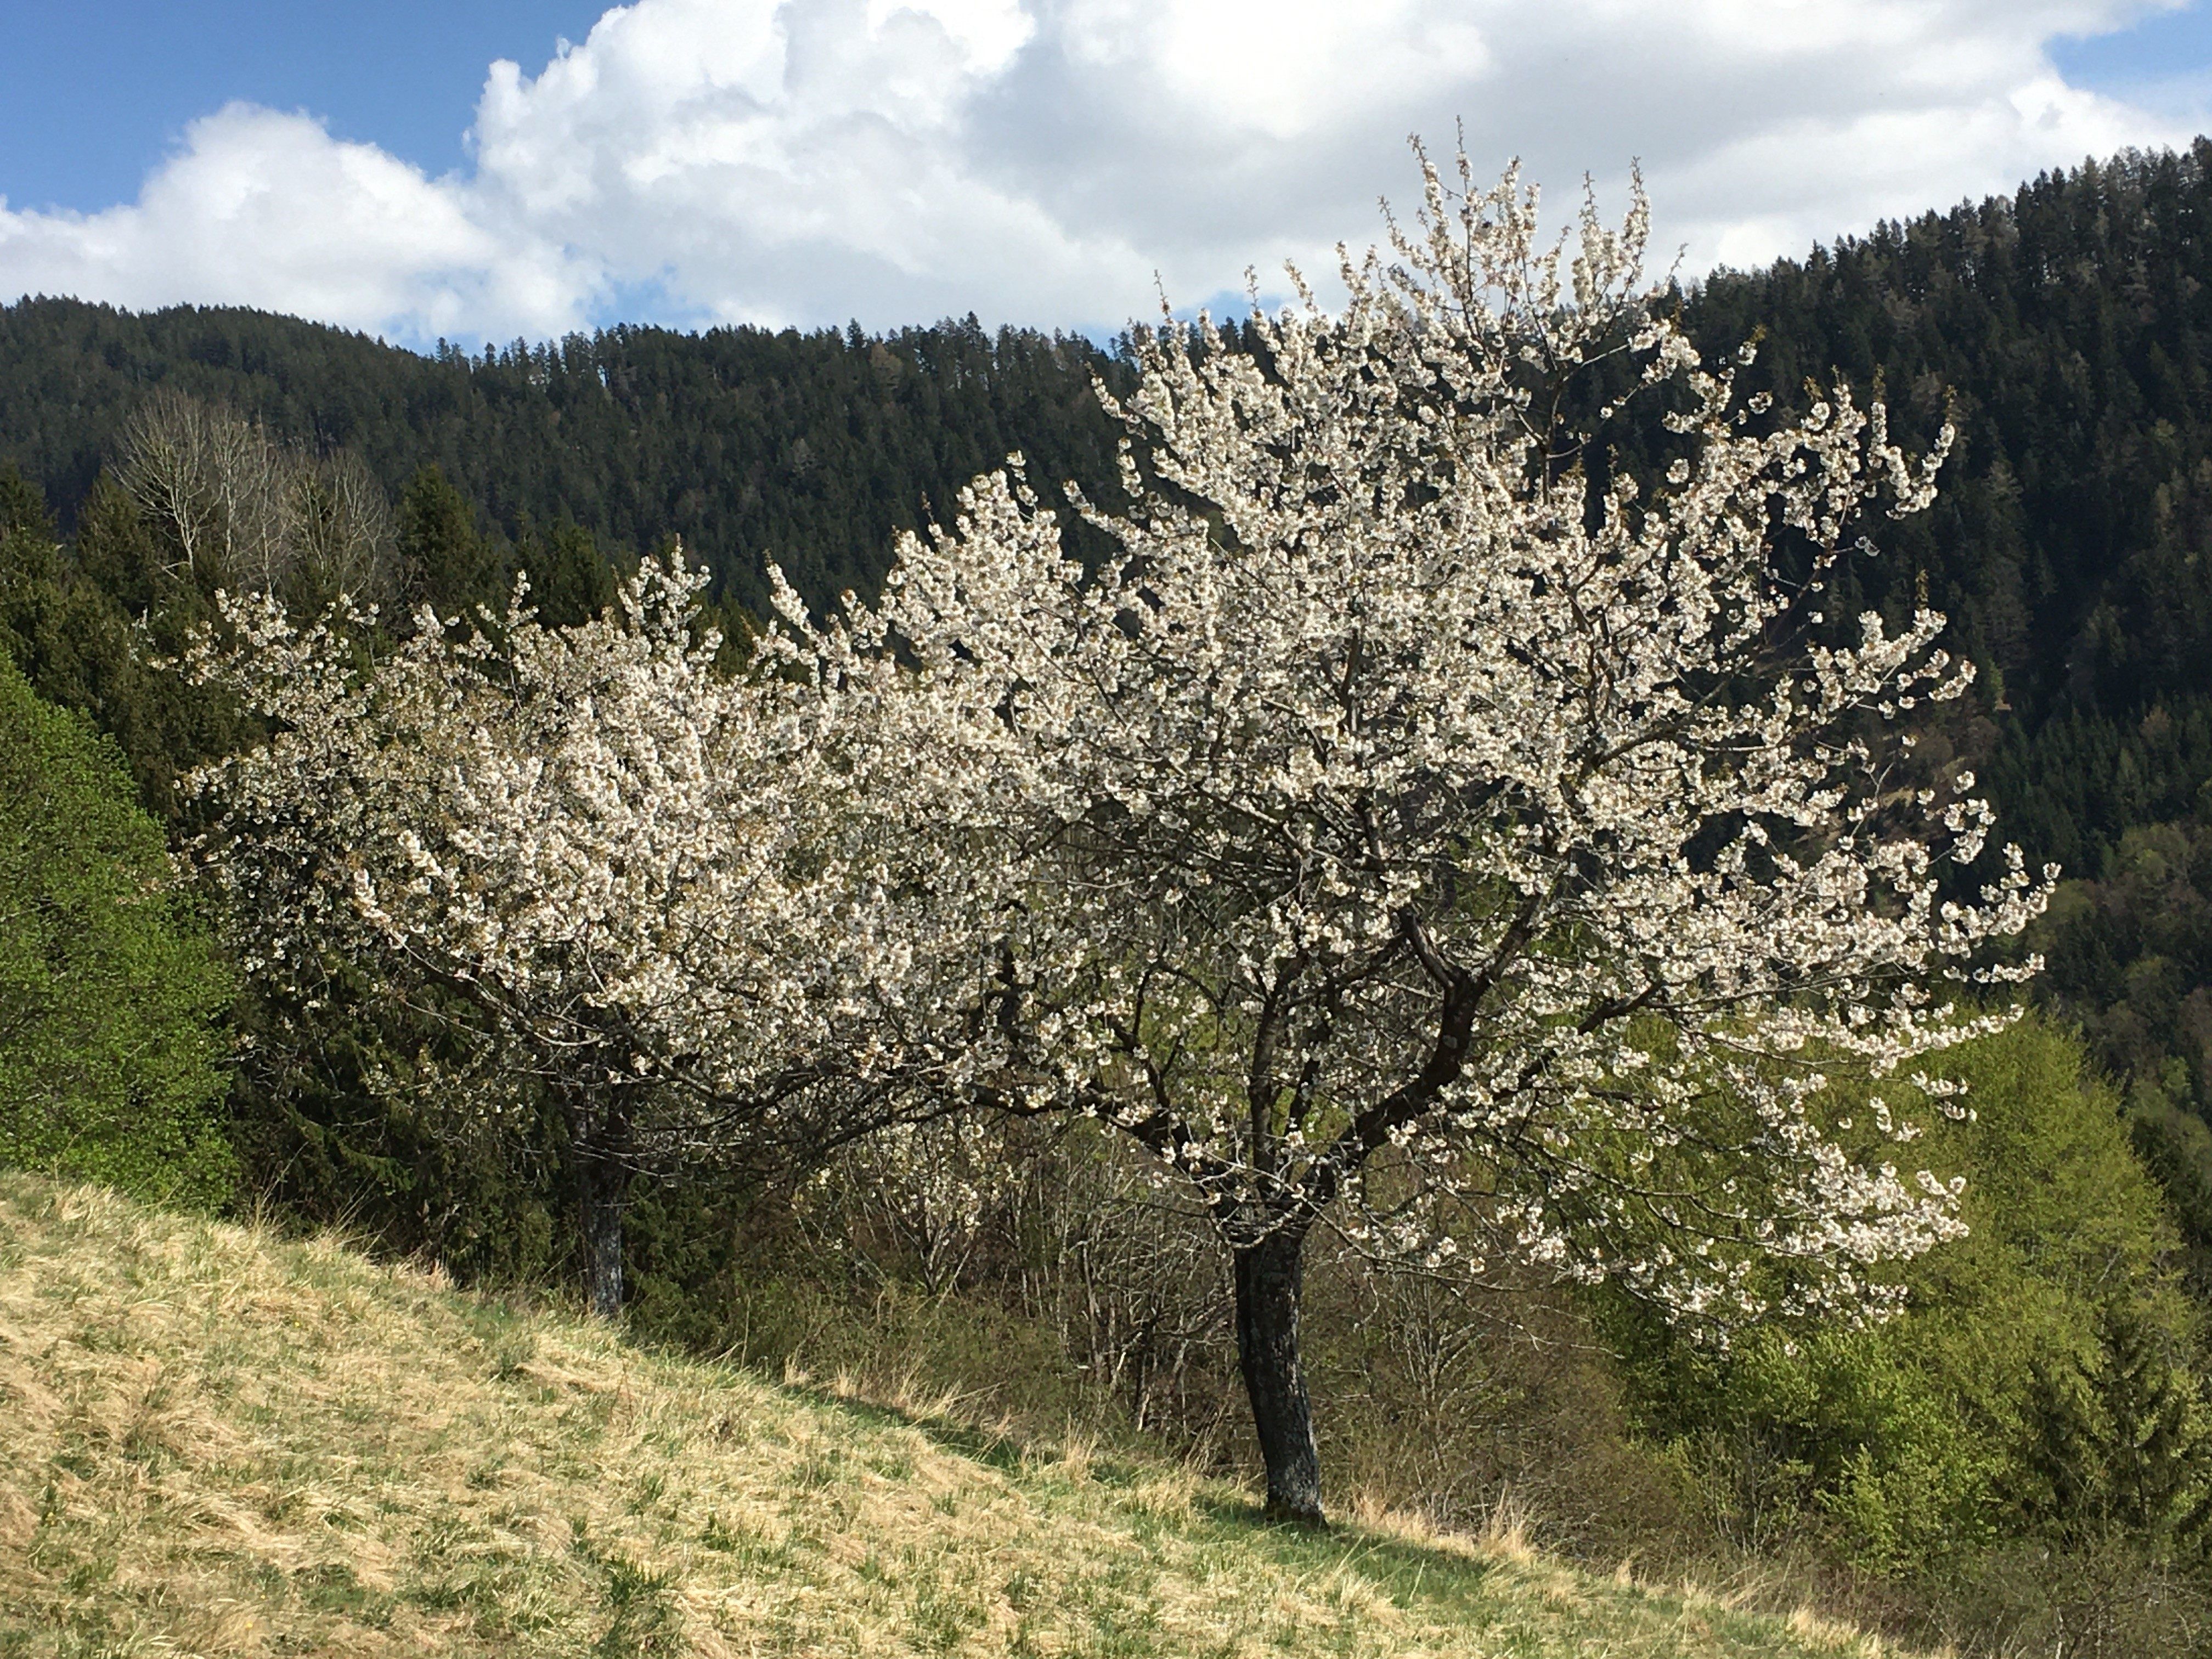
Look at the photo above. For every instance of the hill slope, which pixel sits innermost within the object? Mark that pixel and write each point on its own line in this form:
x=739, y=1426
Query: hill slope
x=811, y=449
x=213, y=1442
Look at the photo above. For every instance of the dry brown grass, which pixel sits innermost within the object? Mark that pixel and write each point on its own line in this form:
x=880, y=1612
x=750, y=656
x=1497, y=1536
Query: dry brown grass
x=215, y=1443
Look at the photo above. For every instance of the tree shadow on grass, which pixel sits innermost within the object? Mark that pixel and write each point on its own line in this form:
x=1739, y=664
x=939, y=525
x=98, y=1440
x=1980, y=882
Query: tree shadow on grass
x=1413, y=1575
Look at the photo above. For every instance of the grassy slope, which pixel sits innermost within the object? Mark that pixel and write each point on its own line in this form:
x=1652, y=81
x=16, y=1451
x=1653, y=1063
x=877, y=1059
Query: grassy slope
x=212, y=1441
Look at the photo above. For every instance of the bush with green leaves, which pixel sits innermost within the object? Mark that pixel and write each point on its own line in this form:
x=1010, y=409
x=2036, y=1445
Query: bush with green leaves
x=111, y=1049
x=1920, y=1440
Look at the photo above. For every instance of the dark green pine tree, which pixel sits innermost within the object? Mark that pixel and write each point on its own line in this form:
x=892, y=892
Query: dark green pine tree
x=69, y=619
x=30, y=589
x=570, y=580
x=2118, y=1445
x=447, y=563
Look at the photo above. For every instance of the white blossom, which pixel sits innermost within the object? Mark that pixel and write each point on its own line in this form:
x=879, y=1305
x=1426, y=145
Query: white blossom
x=629, y=872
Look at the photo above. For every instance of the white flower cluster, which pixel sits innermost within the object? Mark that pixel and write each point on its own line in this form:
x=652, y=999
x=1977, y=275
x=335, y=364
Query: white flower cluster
x=630, y=870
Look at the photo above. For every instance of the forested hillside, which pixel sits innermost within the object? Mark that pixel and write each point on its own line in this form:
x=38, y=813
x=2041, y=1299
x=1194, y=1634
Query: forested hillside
x=809, y=449
x=2067, y=333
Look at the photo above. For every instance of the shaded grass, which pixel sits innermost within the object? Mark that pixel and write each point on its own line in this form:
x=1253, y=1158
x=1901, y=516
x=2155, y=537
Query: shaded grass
x=212, y=1441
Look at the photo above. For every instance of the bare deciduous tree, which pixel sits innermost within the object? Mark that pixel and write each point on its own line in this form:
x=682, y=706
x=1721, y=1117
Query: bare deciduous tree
x=241, y=511
x=341, y=531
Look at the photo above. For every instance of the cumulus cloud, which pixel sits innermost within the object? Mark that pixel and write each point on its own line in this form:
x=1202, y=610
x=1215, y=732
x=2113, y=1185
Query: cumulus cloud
x=263, y=209
x=1045, y=160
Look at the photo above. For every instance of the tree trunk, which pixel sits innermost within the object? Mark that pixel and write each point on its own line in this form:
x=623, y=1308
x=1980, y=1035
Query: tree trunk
x=1269, y=1276
x=605, y=1185
x=604, y=1168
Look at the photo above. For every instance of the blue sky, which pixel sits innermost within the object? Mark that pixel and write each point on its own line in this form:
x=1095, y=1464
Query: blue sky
x=1053, y=162
x=2165, y=56
x=93, y=92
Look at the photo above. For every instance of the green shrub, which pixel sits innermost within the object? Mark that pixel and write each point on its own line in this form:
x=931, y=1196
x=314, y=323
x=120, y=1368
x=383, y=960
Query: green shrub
x=109, y=1054
x=1915, y=1441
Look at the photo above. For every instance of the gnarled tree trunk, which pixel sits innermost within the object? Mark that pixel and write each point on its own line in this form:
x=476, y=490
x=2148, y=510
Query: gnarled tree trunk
x=1270, y=1274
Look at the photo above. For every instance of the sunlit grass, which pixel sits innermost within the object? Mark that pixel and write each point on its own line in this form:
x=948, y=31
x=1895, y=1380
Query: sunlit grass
x=213, y=1441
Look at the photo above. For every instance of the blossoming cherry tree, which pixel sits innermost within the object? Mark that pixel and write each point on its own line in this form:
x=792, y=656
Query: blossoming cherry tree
x=615, y=877
x=1404, y=832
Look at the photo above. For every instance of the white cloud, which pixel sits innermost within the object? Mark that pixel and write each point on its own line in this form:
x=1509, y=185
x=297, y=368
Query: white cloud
x=1038, y=161
x=263, y=209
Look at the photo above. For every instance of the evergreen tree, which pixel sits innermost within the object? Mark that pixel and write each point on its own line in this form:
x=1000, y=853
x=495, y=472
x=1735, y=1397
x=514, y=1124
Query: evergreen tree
x=446, y=564
x=29, y=593
x=570, y=581
x=2118, y=1444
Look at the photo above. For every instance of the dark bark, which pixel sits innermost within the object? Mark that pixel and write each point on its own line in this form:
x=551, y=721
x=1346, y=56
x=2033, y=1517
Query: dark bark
x=604, y=1193
x=1270, y=1275
x=603, y=1175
